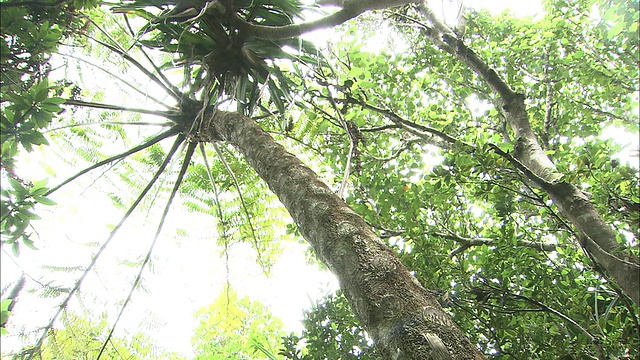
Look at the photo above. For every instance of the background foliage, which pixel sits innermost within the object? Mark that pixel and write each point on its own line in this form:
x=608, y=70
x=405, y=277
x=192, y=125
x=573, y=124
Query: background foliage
x=432, y=198
x=415, y=129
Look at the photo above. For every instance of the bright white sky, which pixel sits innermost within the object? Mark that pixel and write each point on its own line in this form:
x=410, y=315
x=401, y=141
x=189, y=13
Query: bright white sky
x=188, y=272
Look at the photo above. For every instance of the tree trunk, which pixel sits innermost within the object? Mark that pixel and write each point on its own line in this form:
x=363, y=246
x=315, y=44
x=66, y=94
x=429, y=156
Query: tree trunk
x=595, y=235
x=404, y=319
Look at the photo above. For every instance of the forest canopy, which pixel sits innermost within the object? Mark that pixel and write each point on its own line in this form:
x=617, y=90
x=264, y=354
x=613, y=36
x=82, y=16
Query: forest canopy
x=471, y=180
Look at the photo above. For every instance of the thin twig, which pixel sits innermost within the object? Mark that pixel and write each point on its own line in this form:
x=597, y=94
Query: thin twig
x=594, y=340
x=352, y=146
x=244, y=205
x=468, y=242
x=223, y=223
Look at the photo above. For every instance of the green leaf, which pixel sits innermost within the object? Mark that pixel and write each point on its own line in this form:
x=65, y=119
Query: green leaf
x=20, y=101
x=50, y=107
x=40, y=184
x=52, y=36
x=616, y=30
x=55, y=100
x=17, y=186
x=31, y=215
x=365, y=84
x=42, y=118
x=4, y=306
x=36, y=138
x=506, y=147
x=323, y=127
x=44, y=200
x=15, y=249
x=29, y=243
x=355, y=72
x=41, y=91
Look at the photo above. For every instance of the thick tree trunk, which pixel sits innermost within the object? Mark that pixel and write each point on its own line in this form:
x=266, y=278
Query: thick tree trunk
x=595, y=235
x=404, y=320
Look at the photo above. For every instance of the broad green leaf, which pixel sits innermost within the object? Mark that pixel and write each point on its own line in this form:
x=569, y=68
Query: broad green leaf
x=44, y=201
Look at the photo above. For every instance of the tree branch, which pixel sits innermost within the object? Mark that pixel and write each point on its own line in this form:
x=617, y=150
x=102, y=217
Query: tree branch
x=594, y=340
x=407, y=125
x=350, y=9
x=469, y=242
x=294, y=30
x=572, y=203
x=410, y=126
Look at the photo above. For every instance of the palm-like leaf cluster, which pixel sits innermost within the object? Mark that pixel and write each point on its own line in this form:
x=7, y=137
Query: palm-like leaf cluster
x=220, y=56
x=221, y=59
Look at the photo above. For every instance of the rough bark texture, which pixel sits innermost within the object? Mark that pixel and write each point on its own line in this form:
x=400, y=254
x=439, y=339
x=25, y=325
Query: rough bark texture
x=596, y=236
x=404, y=320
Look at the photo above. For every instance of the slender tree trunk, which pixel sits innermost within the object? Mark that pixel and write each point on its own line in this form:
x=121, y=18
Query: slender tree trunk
x=404, y=319
x=595, y=235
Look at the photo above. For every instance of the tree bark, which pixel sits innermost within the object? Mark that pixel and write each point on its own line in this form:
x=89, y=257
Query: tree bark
x=404, y=319
x=595, y=235
x=349, y=10
x=289, y=31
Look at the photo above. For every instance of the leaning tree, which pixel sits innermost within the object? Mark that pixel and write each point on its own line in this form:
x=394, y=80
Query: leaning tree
x=506, y=183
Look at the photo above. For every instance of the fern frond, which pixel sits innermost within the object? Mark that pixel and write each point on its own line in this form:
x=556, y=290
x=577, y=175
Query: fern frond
x=179, y=140
x=183, y=170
